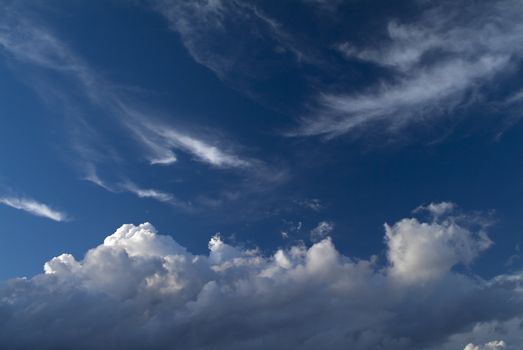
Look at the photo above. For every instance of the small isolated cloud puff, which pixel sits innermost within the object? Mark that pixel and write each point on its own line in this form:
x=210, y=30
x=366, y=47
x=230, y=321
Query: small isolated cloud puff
x=322, y=230
x=142, y=290
x=33, y=207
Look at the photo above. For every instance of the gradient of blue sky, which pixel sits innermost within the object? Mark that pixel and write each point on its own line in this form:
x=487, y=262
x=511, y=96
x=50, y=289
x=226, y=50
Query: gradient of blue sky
x=275, y=124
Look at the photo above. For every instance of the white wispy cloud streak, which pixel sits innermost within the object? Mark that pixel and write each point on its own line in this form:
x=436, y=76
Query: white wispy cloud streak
x=201, y=23
x=149, y=193
x=436, y=63
x=437, y=59
x=131, y=187
x=164, y=138
x=26, y=41
x=33, y=207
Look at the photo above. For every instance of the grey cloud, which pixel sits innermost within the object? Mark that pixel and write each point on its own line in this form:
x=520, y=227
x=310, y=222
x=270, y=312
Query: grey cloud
x=140, y=289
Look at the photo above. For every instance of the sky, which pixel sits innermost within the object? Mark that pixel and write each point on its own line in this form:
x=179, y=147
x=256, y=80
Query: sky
x=211, y=174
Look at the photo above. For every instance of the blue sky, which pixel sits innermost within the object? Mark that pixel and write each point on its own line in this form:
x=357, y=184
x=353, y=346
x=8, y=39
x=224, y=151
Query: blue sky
x=304, y=124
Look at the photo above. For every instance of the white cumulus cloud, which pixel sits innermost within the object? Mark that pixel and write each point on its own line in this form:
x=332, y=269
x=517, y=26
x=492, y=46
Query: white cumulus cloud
x=139, y=289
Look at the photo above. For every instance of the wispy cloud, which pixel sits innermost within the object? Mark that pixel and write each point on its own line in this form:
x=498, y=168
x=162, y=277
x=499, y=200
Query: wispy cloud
x=202, y=23
x=22, y=39
x=149, y=193
x=162, y=139
x=200, y=149
x=150, y=133
x=437, y=62
x=33, y=207
x=131, y=187
x=433, y=64
x=427, y=93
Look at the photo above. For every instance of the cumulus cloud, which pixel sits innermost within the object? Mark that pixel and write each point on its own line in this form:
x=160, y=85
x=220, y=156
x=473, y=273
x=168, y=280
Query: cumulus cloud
x=420, y=251
x=436, y=60
x=34, y=207
x=140, y=289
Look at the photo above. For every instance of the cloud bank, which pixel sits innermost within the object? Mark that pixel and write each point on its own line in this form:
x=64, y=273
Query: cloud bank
x=33, y=207
x=140, y=289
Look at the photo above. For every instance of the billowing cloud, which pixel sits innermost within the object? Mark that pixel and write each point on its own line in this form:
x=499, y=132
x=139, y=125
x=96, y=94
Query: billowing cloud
x=33, y=207
x=425, y=251
x=140, y=289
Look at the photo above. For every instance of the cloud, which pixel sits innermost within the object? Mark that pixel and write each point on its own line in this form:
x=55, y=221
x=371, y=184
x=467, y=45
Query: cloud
x=140, y=289
x=491, y=345
x=131, y=187
x=149, y=193
x=155, y=194
x=420, y=251
x=313, y=204
x=202, y=24
x=24, y=40
x=33, y=207
x=506, y=334
x=442, y=59
x=165, y=138
x=437, y=209
x=322, y=230
x=111, y=127
x=438, y=61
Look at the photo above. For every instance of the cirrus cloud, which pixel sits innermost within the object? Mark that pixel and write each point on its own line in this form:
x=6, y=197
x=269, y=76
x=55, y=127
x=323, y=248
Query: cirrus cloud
x=33, y=207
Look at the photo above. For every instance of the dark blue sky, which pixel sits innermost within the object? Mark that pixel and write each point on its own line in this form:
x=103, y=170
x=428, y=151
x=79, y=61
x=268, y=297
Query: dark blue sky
x=270, y=122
